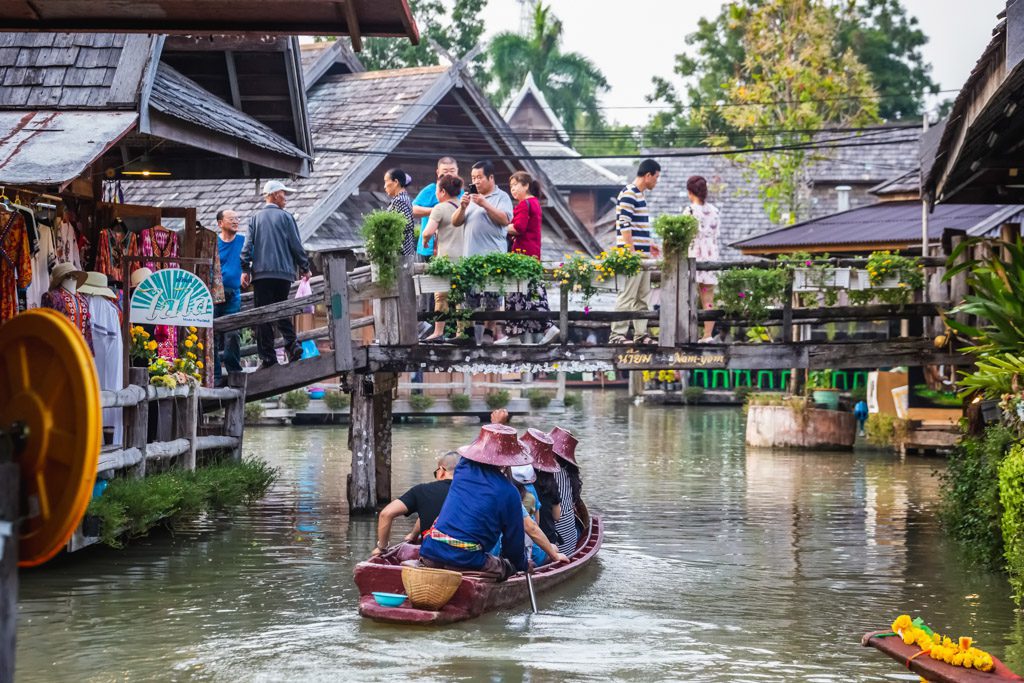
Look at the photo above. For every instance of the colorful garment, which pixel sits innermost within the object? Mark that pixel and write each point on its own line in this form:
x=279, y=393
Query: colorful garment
x=15, y=262
x=43, y=262
x=74, y=307
x=105, y=323
x=159, y=242
x=65, y=242
x=113, y=247
x=566, y=524
x=705, y=245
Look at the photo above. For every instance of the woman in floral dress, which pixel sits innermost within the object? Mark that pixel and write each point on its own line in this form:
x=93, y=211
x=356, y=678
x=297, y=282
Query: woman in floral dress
x=705, y=245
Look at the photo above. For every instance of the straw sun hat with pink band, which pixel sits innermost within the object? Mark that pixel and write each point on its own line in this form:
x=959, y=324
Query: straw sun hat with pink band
x=496, y=445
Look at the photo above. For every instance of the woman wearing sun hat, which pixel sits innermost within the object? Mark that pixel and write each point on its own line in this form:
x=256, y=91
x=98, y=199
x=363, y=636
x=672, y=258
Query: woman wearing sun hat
x=482, y=506
x=544, y=490
x=569, y=487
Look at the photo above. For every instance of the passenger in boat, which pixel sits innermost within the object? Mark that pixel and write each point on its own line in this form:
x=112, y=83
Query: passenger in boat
x=569, y=487
x=426, y=500
x=482, y=506
x=540, y=447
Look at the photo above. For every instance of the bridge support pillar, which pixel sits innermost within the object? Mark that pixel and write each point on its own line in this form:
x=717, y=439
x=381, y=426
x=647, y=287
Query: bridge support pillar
x=369, y=438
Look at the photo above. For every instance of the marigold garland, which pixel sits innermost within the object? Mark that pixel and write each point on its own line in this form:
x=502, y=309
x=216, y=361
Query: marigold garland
x=958, y=653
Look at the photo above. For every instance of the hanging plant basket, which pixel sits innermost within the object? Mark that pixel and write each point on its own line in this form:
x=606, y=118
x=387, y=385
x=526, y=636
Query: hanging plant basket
x=861, y=280
x=432, y=284
x=812, y=280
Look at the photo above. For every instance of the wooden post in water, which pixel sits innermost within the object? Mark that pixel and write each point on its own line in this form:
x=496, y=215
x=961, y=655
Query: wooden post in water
x=9, y=500
x=234, y=413
x=338, y=310
x=369, y=484
x=136, y=422
x=189, y=425
x=678, y=317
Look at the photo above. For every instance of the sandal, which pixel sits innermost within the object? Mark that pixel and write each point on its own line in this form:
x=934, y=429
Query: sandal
x=617, y=340
x=647, y=339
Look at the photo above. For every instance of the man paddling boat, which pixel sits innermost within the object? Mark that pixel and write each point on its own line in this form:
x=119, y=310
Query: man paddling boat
x=482, y=506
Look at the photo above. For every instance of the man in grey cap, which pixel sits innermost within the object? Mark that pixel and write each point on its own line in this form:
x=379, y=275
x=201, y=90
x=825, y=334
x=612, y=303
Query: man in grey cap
x=270, y=258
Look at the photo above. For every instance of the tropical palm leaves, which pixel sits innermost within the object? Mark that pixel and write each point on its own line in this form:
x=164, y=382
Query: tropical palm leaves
x=994, y=375
x=997, y=297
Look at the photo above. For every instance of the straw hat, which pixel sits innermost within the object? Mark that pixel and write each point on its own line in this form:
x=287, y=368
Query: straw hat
x=496, y=445
x=565, y=444
x=63, y=271
x=540, y=446
x=140, y=274
x=96, y=284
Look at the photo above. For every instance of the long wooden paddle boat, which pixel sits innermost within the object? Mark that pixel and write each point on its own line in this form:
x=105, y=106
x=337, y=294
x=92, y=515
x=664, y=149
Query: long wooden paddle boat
x=475, y=595
x=930, y=669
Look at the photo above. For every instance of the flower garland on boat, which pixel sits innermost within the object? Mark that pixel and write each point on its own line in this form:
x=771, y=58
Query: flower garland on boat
x=959, y=653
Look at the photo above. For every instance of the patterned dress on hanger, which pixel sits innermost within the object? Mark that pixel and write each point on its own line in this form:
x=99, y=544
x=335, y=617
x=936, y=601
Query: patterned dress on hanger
x=113, y=247
x=158, y=242
x=15, y=262
x=74, y=307
x=66, y=243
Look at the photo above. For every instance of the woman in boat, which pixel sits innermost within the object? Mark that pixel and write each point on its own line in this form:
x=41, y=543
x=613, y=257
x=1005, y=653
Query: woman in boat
x=482, y=506
x=545, y=463
x=569, y=488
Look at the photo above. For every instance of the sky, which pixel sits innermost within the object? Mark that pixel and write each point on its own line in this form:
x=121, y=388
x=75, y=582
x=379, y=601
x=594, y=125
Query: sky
x=655, y=32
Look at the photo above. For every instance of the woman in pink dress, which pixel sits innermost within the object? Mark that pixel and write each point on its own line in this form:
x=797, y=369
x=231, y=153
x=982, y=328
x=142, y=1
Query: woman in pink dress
x=705, y=245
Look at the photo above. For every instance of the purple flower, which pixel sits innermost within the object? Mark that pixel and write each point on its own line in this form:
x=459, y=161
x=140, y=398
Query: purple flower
x=743, y=295
x=586, y=310
x=807, y=263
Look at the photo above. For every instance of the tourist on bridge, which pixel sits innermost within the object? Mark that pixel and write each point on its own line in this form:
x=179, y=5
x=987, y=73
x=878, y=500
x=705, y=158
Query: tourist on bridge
x=482, y=506
x=633, y=232
x=486, y=211
x=525, y=232
x=705, y=244
x=272, y=253
x=427, y=199
x=229, y=247
x=447, y=239
x=396, y=182
x=425, y=500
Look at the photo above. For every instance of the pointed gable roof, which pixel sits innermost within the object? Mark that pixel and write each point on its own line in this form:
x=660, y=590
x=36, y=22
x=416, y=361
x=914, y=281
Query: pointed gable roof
x=531, y=94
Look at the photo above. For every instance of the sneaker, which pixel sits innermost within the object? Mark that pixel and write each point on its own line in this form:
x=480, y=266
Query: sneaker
x=550, y=335
x=295, y=355
x=509, y=341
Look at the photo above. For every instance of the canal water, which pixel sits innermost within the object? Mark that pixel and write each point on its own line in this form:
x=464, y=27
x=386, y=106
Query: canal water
x=720, y=563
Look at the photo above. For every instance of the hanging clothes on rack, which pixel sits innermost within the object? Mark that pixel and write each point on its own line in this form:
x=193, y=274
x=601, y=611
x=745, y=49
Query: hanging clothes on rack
x=15, y=261
x=43, y=261
x=207, y=248
x=105, y=320
x=114, y=244
x=66, y=242
x=159, y=242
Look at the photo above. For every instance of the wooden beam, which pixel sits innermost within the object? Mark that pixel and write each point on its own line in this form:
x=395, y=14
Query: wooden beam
x=282, y=378
x=255, y=316
x=352, y=22
x=338, y=313
x=131, y=67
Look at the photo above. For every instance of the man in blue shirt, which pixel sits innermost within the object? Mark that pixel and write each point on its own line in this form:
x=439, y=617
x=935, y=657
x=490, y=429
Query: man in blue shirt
x=229, y=248
x=427, y=200
x=482, y=506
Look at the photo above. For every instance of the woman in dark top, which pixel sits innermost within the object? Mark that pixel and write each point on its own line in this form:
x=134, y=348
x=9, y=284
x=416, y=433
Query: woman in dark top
x=395, y=182
x=525, y=233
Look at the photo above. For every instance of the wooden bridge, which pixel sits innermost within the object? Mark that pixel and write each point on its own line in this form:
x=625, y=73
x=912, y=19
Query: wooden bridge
x=369, y=369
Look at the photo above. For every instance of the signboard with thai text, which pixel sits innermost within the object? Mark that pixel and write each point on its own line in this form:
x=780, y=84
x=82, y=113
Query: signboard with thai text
x=172, y=297
x=656, y=359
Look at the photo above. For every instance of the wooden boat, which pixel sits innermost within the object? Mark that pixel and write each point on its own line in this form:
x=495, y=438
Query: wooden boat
x=932, y=669
x=475, y=594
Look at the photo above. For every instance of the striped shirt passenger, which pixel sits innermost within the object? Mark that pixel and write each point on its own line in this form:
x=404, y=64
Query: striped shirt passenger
x=631, y=216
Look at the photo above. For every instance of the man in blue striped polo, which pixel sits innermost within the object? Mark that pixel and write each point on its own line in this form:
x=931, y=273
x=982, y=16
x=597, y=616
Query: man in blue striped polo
x=633, y=232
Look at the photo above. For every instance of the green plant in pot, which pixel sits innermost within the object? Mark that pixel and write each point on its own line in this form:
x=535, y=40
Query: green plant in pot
x=748, y=294
x=382, y=232
x=676, y=233
x=822, y=390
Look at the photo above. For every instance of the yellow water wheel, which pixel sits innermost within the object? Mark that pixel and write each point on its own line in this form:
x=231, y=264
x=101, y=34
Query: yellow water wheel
x=50, y=405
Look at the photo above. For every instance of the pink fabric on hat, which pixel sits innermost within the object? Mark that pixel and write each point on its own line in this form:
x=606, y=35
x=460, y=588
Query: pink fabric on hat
x=497, y=445
x=564, y=444
x=540, y=446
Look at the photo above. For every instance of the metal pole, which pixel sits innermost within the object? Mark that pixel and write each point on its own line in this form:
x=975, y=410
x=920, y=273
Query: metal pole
x=924, y=202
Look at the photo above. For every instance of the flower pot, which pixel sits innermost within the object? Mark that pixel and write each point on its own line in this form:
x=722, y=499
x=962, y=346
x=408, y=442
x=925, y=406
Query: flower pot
x=810, y=280
x=614, y=284
x=860, y=280
x=508, y=286
x=827, y=398
x=431, y=284
x=890, y=282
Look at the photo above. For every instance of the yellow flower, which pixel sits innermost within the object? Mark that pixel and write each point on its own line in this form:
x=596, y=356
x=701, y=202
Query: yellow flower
x=191, y=329
x=151, y=346
x=199, y=364
x=200, y=345
x=191, y=355
x=188, y=343
x=902, y=622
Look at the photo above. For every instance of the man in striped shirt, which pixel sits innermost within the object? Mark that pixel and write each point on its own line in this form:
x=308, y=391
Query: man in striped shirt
x=633, y=232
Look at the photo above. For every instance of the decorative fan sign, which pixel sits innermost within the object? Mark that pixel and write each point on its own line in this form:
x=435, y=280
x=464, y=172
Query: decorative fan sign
x=172, y=297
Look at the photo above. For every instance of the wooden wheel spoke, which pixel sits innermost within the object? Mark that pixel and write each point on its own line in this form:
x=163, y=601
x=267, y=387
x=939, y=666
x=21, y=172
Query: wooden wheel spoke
x=42, y=497
x=16, y=360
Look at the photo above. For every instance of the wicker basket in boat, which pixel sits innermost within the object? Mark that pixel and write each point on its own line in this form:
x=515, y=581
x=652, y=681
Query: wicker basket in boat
x=430, y=588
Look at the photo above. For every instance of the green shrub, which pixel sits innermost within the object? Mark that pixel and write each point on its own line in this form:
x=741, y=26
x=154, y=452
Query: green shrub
x=383, y=232
x=743, y=392
x=748, y=293
x=693, y=394
x=539, y=399
x=296, y=400
x=421, y=402
x=253, y=412
x=496, y=399
x=337, y=400
x=885, y=431
x=971, y=510
x=1011, y=498
x=574, y=400
x=676, y=233
x=132, y=507
x=460, y=402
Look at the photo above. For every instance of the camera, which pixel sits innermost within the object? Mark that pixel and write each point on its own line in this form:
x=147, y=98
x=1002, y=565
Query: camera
x=472, y=189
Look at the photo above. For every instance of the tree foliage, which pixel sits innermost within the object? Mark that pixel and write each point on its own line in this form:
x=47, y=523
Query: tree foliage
x=879, y=32
x=571, y=83
x=456, y=25
x=793, y=81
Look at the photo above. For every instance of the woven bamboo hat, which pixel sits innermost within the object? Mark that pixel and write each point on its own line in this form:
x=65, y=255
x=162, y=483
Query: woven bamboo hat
x=63, y=271
x=564, y=444
x=540, y=446
x=96, y=284
x=496, y=445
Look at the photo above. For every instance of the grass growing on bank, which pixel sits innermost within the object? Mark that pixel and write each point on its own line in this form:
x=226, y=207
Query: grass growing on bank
x=130, y=508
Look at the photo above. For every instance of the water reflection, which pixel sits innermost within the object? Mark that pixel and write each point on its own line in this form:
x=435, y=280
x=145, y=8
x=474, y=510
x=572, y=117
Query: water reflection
x=720, y=564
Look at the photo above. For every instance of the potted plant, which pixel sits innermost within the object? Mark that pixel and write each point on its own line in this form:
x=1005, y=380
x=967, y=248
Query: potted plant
x=749, y=293
x=676, y=233
x=889, y=278
x=143, y=347
x=510, y=272
x=579, y=274
x=823, y=393
x=382, y=232
x=817, y=275
x=438, y=276
x=613, y=267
